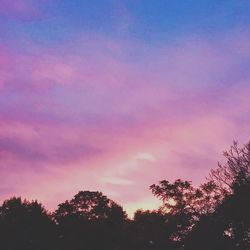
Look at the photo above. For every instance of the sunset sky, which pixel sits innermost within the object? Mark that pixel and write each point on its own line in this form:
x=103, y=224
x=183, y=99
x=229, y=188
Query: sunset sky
x=116, y=95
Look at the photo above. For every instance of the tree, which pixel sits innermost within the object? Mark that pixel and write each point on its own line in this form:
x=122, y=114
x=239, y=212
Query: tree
x=185, y=203
x=234, y=178
x=228, y=226
x=208, y=233
x=236, y=168
x=89, y=220
x=25, y=225
x=87, y=205
x=152, y=230
x=235, y=209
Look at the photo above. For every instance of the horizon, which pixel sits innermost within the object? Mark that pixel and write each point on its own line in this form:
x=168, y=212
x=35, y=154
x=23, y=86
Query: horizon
x=115, y=96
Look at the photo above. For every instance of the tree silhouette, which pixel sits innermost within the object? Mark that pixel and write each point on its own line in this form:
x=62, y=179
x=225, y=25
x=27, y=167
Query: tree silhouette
x=185, y=203
x=208, y=233
x=235, y=210
x=89, y=220
x=234, y=178
x=228, y=226
x=152, y=230
x=178, y=198
x=25, y=225
x=236, y=168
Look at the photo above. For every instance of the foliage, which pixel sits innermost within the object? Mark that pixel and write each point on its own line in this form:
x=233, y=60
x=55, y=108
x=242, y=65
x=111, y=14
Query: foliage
x=87, y=205
x=236, y=168
x=25, y=225
x=89, y=219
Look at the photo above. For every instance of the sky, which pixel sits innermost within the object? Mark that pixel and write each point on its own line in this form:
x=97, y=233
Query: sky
x=114, y=95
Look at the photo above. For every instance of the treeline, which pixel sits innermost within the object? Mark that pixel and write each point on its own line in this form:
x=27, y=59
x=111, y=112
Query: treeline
x=214, y=216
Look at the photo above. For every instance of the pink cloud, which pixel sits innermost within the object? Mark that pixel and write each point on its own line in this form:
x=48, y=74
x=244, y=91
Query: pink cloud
x=96, y=118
